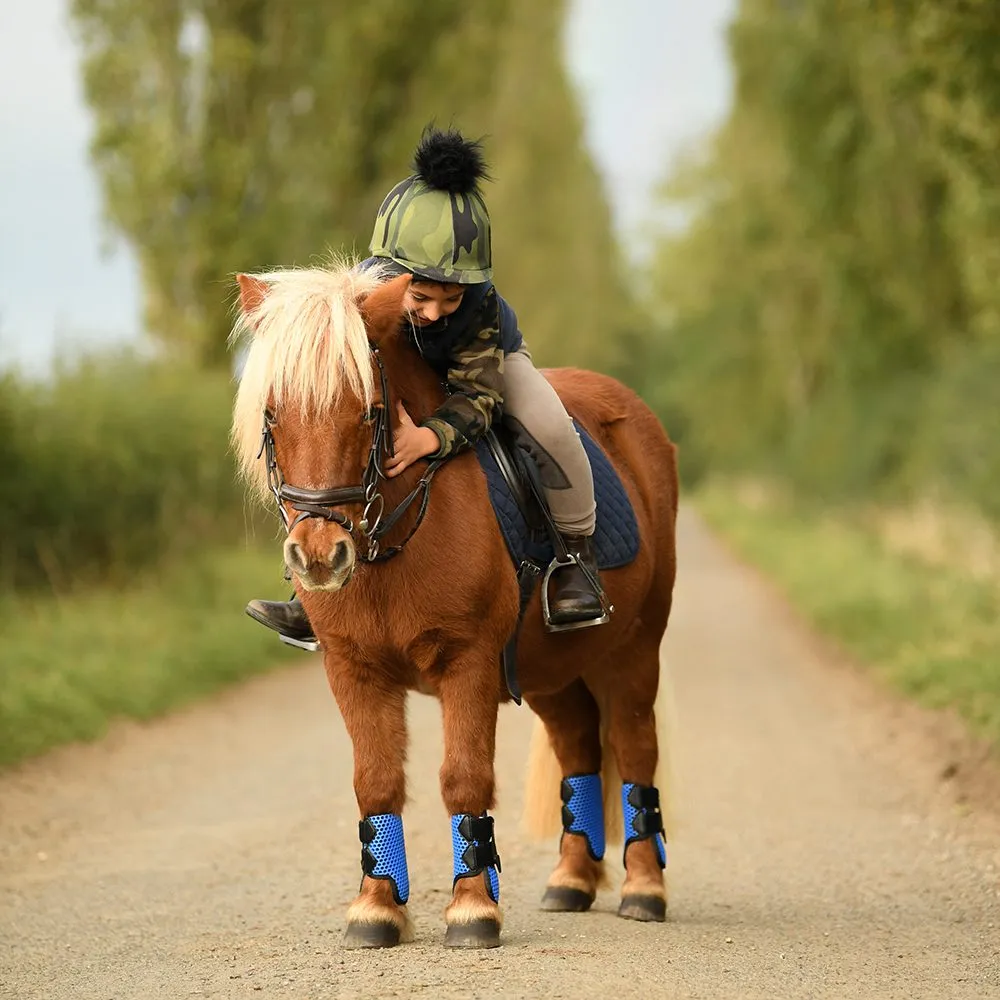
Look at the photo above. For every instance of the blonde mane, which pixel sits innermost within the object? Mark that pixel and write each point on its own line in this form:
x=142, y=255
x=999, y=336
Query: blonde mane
x=307, y=344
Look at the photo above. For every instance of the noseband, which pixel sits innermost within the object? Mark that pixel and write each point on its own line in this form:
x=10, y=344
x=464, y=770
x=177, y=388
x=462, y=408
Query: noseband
x=374, y=524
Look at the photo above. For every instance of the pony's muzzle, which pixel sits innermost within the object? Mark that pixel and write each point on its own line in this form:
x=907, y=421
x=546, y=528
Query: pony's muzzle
x=318, y=564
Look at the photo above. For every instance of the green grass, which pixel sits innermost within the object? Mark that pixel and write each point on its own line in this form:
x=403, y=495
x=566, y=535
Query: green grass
x=930, y=632
x=70, y=665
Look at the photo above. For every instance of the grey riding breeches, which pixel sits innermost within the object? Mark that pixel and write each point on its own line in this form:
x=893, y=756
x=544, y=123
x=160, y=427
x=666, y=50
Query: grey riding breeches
x=537, y=416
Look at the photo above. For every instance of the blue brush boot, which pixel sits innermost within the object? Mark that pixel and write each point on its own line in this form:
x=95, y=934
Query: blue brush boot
x=383, y=856
x=643, y=821
x=582, y=814
x=475, y=853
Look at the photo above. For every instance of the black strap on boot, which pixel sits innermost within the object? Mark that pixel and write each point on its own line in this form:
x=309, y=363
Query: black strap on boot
x=643, y=819
x=475, y=850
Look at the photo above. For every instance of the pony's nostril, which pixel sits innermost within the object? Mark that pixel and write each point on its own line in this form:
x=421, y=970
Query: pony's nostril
x=295, y=557
x=340, y=557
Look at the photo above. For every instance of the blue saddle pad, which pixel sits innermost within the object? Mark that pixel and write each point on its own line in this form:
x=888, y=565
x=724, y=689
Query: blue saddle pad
x=616, y=538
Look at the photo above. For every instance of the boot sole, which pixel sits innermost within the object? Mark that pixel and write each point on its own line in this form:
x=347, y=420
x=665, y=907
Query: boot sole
x=267, y=623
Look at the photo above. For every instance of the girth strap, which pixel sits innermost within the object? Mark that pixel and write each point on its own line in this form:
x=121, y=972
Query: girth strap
x=527, y=578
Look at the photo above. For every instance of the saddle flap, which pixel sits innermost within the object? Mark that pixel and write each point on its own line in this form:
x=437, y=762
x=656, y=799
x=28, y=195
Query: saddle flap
x=507, y=468
x=519, y=474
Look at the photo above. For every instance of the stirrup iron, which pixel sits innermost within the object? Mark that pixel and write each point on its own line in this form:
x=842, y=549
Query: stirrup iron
x=562, y=560
x=309, y=645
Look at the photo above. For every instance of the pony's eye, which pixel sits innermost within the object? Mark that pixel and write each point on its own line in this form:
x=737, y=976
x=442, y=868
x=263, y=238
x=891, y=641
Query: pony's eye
x=269, y=418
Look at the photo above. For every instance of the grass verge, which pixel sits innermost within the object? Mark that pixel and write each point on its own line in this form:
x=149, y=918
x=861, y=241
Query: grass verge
x=930, y=631
x=70, y=665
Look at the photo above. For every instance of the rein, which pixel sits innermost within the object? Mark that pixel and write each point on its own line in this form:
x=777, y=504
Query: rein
x=374, y=524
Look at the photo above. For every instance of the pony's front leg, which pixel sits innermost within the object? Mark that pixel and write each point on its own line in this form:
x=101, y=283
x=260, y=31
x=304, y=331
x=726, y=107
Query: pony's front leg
x=469, y=692
x=374, y=712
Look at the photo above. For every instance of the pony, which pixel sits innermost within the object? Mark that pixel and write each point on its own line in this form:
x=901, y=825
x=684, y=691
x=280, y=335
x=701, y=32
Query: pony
x=409, y=587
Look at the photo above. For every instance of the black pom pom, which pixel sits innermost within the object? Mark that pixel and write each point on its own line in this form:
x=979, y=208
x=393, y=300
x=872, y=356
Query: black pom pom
x=449, y=162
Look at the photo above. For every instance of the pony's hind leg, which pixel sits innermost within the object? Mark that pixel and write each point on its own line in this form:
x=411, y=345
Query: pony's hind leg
x=631, y=732
x=375, y=717
x=572, y=721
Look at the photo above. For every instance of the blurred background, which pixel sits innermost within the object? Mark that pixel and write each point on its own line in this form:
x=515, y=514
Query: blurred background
x=776, y=221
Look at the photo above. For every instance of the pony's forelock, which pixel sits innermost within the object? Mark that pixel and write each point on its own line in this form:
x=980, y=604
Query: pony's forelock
x=307, y=344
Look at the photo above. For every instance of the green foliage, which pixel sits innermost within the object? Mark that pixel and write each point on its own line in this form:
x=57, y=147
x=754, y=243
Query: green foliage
x=930, y=632
x=832, y=309
x=238, y=135
x=242, y=134
x=110, y=467
x=69, y=666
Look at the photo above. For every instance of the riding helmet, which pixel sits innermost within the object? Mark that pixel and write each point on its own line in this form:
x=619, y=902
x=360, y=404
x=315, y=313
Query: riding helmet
x=435, y=223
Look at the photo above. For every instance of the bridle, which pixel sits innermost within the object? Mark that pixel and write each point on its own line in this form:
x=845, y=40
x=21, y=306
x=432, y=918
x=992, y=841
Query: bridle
x=374, y=524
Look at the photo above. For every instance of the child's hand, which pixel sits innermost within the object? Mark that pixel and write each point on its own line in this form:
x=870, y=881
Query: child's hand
x=411, y=443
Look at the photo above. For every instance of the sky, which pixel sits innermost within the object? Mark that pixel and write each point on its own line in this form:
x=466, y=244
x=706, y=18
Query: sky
x=652, y=76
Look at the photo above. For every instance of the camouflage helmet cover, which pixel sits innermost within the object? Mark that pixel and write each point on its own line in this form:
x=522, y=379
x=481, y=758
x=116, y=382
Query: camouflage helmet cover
x=435, y=223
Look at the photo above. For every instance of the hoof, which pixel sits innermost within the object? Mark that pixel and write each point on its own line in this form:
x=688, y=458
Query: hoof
x=643, y=908
x=368, y=935
x=478, y=934
x=559, y=899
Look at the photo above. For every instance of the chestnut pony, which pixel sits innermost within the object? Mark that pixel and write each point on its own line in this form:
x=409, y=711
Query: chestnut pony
x=324, y=348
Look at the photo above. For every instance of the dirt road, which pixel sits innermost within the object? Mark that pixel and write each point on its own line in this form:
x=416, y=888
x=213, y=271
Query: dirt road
x=213, y=854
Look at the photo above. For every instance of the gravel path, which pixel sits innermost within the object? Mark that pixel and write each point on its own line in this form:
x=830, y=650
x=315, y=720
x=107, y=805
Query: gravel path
x=213, y=853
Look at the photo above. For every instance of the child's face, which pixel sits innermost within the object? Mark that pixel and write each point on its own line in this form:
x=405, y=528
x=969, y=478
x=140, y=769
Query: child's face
x=429, y=301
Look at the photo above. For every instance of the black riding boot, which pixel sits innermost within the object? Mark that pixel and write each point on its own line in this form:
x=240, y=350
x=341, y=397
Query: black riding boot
x=574, y=598
x=287, y=617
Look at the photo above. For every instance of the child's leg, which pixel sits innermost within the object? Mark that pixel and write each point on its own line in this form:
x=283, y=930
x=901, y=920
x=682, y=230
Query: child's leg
x=545, y=429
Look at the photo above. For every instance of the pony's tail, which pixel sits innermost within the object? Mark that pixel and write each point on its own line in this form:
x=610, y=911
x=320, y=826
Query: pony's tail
x=542, y=805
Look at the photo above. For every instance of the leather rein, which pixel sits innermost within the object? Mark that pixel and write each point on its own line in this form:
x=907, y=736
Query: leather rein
x=374, y=523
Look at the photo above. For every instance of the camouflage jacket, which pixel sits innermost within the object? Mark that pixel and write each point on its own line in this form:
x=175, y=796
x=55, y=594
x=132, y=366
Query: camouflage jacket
x=469, y=353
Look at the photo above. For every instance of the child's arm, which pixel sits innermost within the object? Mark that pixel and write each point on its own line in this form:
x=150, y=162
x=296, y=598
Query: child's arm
x=475, y=379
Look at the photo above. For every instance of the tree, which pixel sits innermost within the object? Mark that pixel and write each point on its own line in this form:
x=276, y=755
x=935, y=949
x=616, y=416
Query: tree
x=837, y=274
x=239, y=134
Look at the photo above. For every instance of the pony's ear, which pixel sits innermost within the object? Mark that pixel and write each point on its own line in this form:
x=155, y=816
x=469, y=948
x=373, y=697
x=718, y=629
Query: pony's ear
x=383, y=308
x=252, y=292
